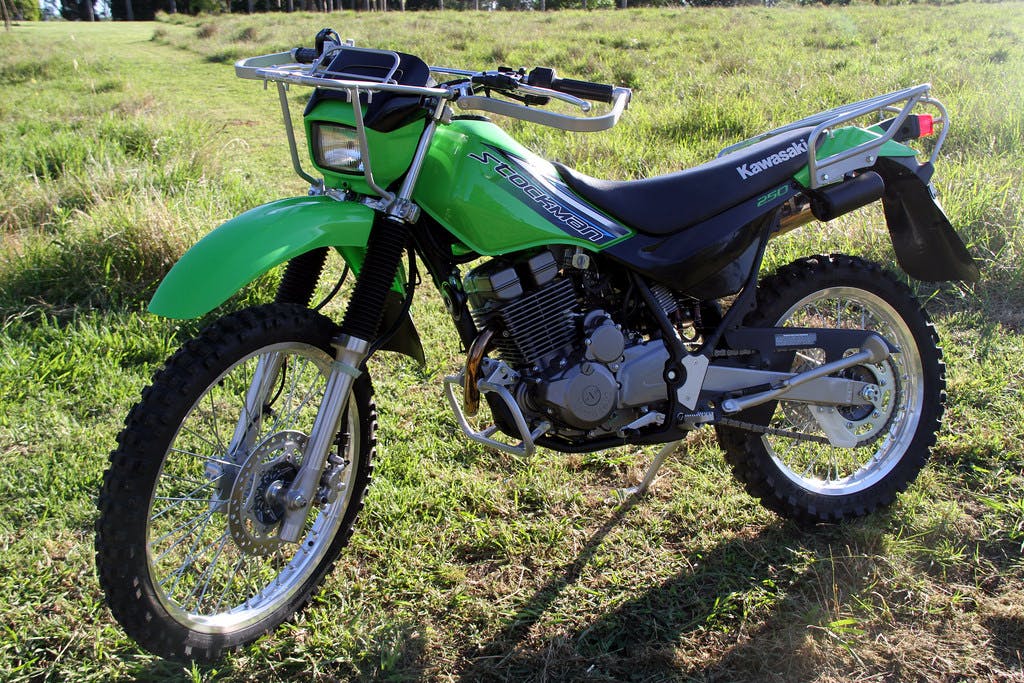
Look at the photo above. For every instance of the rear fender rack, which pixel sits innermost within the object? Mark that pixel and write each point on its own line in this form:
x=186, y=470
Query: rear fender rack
x=833, y=168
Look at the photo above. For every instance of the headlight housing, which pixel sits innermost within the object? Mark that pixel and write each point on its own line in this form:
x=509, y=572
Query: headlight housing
x=336, y=148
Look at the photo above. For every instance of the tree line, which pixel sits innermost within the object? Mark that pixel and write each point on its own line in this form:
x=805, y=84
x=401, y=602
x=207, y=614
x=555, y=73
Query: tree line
x=146, y=10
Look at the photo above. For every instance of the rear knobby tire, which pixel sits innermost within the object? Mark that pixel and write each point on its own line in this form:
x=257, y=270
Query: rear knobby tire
x=186, y=546
x=813, y=482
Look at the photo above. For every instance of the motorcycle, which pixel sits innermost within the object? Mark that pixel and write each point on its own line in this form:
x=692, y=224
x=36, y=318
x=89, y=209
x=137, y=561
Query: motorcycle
x=593, y=314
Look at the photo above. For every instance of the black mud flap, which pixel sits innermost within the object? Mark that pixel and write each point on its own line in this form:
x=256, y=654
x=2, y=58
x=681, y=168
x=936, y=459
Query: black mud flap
x=406, y=338
x=926, y=245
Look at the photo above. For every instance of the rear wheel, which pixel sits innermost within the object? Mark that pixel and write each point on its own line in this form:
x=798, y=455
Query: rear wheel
x=811, y=481
x=187, y=548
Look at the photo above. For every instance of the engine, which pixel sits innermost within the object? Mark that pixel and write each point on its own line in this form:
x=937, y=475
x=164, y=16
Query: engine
x=577, y=365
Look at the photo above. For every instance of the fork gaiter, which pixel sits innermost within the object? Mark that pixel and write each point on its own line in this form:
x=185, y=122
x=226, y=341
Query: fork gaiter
x=383, y=255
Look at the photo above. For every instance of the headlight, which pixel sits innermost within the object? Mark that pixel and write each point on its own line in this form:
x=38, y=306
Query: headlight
x=336, y=148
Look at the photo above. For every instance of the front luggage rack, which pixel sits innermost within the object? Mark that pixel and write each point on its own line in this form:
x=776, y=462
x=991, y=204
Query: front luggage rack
x=359, y=82
x=283, y=69
x=834, y=167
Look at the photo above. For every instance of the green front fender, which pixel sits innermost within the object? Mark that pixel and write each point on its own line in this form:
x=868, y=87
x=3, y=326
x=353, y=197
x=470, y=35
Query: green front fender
x=249, y=245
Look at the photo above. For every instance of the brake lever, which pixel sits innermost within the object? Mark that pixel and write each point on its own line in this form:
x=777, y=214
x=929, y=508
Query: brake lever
x=532, y=90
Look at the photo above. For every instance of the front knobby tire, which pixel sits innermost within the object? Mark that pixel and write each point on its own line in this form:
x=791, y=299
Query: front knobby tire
x=186, y=547
x=811, y=482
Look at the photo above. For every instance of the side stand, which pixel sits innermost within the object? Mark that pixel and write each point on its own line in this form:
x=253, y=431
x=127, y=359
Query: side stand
x=652, y=471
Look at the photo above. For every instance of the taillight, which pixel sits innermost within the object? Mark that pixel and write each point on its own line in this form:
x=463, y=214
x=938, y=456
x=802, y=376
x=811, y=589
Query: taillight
x=914, y=126
x=925, y=125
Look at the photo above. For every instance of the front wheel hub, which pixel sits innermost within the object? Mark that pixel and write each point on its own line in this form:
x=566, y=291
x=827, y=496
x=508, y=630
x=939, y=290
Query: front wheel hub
x=257, y=501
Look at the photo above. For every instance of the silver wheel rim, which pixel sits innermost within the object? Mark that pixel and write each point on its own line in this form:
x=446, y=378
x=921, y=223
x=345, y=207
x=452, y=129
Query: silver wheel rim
x=834, y=471
x=200, y=575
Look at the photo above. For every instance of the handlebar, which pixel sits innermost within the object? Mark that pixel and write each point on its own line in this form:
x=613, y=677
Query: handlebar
x=531, y=90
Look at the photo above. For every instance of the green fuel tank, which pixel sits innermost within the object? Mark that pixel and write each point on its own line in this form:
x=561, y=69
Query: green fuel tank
x=496, y=196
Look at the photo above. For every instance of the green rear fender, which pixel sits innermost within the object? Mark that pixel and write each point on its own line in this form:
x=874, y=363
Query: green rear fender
x=247, y=246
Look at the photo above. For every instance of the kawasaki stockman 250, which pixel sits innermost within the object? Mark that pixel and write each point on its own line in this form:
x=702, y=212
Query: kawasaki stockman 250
x=594, y=315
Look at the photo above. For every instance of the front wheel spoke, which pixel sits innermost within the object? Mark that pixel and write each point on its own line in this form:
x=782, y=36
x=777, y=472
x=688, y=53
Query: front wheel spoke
x=203, y=582
x=189, y=525
x=184, y=480
x=207, y=458
x=291, y=414
x=216, y=423
x=190, y=496
x=190, y=556
x=202, y=438
x=229, y=584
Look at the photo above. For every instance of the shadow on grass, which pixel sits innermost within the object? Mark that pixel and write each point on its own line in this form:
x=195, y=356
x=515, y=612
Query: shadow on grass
x=727, y=587
x=996, y=299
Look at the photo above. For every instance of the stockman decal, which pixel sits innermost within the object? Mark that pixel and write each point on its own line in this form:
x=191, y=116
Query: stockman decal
x=550, y=198
x=783, y=155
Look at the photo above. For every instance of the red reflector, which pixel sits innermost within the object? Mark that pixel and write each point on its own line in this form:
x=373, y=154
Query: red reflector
x=926, y=124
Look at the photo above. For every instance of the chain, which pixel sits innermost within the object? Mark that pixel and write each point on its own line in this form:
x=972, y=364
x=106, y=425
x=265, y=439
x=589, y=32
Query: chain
x=761, y=429
x=732, y=353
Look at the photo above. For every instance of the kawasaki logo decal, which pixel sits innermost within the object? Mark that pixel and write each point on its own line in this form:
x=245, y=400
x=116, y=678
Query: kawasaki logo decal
x=551, y=199
x=783, y=155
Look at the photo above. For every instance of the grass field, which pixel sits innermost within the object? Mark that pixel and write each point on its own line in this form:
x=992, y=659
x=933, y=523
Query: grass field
x=124, y=143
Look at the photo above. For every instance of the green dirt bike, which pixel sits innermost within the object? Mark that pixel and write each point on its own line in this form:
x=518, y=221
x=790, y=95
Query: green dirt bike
x=595, y=314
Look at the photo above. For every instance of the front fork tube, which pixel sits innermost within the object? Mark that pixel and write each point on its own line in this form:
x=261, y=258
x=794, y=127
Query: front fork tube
x=351, y=352
x=266, y=375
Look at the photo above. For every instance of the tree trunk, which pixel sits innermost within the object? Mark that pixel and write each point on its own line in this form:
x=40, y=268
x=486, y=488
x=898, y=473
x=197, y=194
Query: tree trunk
x=172, y=7
x=90, y=15
x=129, y=13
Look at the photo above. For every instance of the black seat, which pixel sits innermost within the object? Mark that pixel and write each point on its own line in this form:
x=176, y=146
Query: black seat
x=673, y=202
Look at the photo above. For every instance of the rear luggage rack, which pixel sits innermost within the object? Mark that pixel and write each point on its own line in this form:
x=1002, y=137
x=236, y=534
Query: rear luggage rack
x=832, y=168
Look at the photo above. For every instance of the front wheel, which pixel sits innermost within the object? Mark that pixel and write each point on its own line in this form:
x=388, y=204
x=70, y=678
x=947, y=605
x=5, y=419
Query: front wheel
x=186, y=545
x=796, y=474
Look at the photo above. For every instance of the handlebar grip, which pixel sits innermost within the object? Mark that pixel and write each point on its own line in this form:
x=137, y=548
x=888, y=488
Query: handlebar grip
x=598, y=92
x=304, y=55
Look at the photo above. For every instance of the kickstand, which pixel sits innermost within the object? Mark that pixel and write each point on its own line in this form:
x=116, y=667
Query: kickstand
x=651, y=473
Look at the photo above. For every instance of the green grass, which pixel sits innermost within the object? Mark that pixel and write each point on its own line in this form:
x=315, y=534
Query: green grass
x=124, y=143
